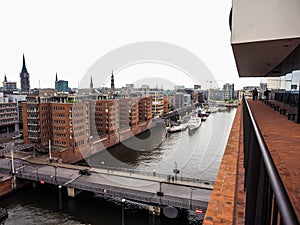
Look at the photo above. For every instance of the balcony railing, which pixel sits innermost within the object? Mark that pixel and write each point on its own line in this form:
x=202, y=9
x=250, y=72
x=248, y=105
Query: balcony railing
x=288, y=97
x=267, y=201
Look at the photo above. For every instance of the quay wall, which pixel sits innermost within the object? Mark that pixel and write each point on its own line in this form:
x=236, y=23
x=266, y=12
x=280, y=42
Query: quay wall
x=5, y=186
x=71, y=156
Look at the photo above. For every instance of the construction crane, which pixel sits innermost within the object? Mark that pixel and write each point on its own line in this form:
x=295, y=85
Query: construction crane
x=210, y=87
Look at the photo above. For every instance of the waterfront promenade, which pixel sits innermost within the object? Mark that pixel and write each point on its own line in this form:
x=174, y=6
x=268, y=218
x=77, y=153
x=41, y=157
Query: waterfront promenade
x=282, y=137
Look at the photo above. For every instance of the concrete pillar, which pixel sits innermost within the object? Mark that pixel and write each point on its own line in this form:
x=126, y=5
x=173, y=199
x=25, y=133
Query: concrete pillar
x=13, y=183
x=72, y=192
x=155, y=210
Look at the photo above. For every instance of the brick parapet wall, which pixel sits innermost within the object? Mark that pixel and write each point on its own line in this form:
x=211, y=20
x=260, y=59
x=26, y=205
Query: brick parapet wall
x=222, y=206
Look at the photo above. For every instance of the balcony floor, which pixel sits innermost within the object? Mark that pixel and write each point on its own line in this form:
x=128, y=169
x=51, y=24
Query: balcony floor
x=282, y=137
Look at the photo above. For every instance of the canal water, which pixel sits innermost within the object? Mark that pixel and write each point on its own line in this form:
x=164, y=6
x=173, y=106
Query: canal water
x=196, y=155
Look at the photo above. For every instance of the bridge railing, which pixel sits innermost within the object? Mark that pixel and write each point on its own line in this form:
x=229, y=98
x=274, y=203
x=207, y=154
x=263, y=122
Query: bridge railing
x=267, y=201
x=153, y=173
x=139, y=196
x=117, y=192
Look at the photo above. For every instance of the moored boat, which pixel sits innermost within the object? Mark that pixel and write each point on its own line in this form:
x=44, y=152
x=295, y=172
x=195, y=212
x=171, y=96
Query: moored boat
x=194, y=123
x=177, y=128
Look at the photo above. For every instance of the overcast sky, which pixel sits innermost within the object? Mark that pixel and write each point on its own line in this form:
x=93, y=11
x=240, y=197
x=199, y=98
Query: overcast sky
x=67, y=37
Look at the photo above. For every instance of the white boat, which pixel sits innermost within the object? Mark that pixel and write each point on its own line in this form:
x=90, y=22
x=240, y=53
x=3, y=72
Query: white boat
x=178, y=128
x=222, y=109
x=212, y=109
x=194, y=123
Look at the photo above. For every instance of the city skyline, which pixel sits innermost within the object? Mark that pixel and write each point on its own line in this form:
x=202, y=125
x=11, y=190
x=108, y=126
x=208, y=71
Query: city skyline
x=70, y=45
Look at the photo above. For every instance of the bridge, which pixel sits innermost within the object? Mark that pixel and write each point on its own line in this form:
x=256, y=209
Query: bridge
x=148, y=188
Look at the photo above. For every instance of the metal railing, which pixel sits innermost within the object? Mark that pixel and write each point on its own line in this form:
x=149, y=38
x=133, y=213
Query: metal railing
x=154, y=174
x=267, y=201
x=117, y=192
x=288, y=97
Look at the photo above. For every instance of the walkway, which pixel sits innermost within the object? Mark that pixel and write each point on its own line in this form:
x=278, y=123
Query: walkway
x=283, y=140
x=282, y=137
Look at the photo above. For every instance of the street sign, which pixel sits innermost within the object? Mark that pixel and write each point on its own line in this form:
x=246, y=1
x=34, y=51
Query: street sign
x=199, y=211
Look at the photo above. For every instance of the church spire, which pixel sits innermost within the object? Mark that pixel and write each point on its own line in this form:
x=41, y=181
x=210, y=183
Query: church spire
x=24, y=75
x=112, y=81
x=56, y=79
x=5, y=78
x=24, y=69
x=91, y=83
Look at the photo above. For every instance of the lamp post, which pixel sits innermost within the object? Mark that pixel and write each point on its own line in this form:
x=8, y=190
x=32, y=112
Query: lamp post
x=123, y=211
x=50, y=156
x=160, y=193
x=55, y=173
x=59, y=197
x=176, y=171
x=191, y=196
x=12, y=162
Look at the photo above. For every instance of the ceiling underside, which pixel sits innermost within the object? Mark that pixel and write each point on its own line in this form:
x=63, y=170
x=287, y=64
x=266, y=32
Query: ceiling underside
x=267, y=58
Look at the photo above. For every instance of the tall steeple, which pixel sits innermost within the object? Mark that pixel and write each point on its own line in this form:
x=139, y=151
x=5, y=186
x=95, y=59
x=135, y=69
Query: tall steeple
x=24, y=75
x=24, y=69
x=56, y=79
x=91, y=83
x=112, y=81
x=5, y=78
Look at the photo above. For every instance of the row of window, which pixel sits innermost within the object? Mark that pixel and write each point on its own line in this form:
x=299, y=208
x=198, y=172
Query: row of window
x=46, y=115
x=60, y=143
x=59, y=128
x=81, y=134
x=59, y=115
x=59, y=121
x=45, y=108
x=8, y=111
x=79, y=143
x=78, y=128
x=59, y=135
x=59, y=108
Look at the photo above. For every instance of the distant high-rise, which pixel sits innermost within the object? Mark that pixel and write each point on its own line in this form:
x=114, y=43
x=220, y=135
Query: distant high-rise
x=228, y=91
x=61, y=86
x=24, y=75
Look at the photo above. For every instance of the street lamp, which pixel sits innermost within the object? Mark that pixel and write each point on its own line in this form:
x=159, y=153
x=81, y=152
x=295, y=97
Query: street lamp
x=176, y=171
x=192, y=189
x=55, y=175
x=50, y=156
x=123, y=211
x=160, y=193
x=12, y=162
x=59, y=197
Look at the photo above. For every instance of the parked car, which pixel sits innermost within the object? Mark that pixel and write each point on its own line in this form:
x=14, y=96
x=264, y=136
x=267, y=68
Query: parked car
x=86, y=172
